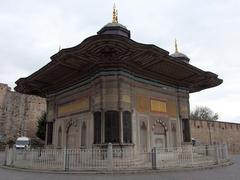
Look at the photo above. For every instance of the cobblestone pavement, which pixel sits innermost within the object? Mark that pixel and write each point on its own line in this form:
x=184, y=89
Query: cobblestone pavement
x=221, y=173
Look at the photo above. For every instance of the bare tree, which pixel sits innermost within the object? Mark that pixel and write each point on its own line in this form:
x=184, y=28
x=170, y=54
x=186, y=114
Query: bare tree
x=203, y=113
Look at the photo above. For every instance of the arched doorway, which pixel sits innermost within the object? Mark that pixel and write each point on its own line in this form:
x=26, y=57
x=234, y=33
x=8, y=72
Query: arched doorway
x=143, y=136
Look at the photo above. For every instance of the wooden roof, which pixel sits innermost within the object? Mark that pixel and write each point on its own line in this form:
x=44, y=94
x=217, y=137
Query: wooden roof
x=70, y=66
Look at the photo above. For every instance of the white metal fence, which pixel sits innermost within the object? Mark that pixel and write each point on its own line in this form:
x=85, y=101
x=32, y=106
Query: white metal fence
x=115, y=159
x=189, y=156
x=2, y=156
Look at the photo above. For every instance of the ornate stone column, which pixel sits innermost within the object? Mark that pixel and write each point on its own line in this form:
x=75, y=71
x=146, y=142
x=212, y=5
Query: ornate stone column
x=121, y=126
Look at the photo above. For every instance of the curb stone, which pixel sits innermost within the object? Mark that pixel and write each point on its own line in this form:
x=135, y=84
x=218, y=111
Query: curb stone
x=130, y=171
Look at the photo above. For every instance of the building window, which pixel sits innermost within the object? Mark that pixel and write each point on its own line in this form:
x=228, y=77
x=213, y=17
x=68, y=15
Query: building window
x=186, y=130
x=111, y=126
x=127, y=127
x=49, y=132
x=83, y=135
x=97, y=127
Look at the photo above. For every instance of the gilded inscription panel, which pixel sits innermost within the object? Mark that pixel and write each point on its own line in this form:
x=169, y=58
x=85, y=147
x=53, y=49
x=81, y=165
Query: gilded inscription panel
x=126, y=98
x=171, y=108
x=158, y=106
x=184, y=110
x=50, y=113
x=74, y=106
x=142, y=103
x=50, y=110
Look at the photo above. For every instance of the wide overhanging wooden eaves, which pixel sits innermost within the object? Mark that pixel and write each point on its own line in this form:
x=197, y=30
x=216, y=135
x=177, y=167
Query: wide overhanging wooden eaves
x=70, y=66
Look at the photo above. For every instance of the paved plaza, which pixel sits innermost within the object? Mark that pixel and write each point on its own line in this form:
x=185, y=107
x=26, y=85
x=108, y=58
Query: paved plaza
x=220, y=173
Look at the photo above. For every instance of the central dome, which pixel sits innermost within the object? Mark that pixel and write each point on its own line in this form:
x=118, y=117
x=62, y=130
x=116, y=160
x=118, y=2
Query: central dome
x=115, y=24
x=114, y=27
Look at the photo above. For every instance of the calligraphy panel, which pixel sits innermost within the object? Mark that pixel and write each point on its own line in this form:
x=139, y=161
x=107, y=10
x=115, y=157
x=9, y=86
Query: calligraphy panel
x=171, y=108
x=158, y=106
x=74, y=106
x=142, y=103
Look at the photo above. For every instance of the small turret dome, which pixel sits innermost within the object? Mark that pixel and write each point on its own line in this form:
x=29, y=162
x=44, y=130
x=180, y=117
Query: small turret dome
x=180, y=56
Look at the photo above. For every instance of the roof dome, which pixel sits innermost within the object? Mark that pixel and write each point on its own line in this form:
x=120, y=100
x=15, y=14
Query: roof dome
x=180, y=56
x=114, y=27
x=115, y=24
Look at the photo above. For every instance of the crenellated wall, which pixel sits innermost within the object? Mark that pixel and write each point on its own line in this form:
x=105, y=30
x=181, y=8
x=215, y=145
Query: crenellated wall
x=217, y=132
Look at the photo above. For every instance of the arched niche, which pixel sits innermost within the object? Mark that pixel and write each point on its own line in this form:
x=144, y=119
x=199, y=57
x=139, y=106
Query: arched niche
x=143, y=136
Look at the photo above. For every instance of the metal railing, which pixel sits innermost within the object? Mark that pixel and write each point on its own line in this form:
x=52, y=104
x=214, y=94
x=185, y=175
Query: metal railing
x=189, y=156
x=115, y=159
x=2, y=156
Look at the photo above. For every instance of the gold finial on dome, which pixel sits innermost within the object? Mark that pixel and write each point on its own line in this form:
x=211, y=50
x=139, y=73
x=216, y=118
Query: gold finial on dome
x=115, y=14
x=176, y=46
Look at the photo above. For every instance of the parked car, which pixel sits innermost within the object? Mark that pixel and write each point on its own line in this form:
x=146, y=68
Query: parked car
x=195, y=142
x=23, y=143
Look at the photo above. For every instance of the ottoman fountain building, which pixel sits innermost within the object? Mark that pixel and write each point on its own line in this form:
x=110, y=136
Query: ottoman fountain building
x=111, y=89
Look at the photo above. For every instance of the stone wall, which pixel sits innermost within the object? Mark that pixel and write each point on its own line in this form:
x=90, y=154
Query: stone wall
x=214, y=132
x=18, y=113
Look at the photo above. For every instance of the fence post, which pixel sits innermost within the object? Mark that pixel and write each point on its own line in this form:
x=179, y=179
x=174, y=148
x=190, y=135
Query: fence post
x=226, y=151
x=217, y=154
x=9, y=156
x=32, y=157
x=14, y=155
x=6, y=155
x=192, y=159
x=110, y=156
x=154, y=158
x=25, y=154
x=66, y=159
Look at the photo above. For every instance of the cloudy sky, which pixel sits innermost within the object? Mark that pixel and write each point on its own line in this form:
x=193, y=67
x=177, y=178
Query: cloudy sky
x=208, y=31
